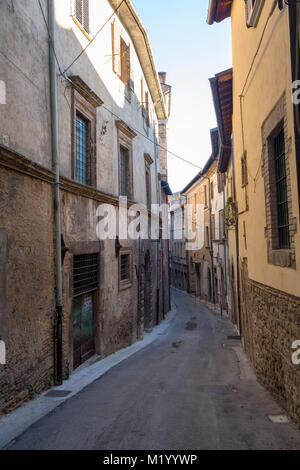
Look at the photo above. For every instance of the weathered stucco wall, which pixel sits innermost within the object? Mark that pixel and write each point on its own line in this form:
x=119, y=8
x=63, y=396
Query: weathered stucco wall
x=26, y=214
x=270, y=79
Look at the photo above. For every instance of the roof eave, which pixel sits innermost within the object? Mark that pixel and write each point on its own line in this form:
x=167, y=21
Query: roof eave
x=137, y=31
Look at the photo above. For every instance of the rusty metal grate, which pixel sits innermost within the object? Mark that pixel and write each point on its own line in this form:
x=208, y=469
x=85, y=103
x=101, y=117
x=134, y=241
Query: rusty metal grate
x=85, y=274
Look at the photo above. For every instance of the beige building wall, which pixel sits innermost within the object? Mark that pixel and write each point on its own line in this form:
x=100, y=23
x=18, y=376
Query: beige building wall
x=269, y=80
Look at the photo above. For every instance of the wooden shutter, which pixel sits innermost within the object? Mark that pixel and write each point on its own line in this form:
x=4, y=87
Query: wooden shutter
x=116, y=46
x=131, y=69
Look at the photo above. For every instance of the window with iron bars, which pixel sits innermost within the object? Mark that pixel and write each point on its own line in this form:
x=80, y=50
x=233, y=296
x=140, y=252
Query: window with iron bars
x=124, y=172
x=82, y=14
x=85, y=274
x=82, y=135
x=125, y=268
x=281, y=191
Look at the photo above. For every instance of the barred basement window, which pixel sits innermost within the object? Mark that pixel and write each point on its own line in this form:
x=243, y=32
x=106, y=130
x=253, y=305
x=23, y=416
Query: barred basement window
x=85, y=275
x=82, y=14
x=281, y=192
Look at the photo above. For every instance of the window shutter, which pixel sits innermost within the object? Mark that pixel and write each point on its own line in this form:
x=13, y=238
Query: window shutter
x=86, y=16
x=142, y=92
x=131, y=69
x=128, y=75
x=116, y=47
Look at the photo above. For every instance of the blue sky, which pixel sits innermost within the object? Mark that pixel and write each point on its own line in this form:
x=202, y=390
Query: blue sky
x=190, y=52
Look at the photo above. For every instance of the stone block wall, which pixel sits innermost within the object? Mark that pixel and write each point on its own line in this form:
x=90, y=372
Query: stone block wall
x=271, y=323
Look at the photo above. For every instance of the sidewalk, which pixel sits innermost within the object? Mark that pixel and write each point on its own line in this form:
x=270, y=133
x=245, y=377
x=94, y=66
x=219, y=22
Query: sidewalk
x=15, y=423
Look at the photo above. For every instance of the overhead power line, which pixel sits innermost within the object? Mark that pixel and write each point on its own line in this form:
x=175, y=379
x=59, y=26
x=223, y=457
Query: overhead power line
x=98, y=32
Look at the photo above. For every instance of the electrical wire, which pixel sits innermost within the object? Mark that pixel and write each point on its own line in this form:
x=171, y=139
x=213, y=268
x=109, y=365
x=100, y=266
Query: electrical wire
x=98, y=32
x=49, y=36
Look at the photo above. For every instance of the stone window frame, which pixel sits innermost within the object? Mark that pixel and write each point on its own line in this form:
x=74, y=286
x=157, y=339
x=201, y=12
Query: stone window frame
x=276, y=120
x=127, y=284
x=125, y=139
x=85, y=102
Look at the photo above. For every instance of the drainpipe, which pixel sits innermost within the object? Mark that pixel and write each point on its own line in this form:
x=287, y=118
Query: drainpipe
x=57, y=217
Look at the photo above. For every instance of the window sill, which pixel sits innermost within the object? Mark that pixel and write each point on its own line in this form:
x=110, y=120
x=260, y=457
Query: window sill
x=281, y=258
x=86, y=34
x=124, y=285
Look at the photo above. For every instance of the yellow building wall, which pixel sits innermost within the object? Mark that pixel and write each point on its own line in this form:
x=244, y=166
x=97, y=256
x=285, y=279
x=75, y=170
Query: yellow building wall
x=270, y=78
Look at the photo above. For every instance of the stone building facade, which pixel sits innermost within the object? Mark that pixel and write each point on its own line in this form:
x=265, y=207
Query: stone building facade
x=111, y=104
x=263, y=177
x=207, y=264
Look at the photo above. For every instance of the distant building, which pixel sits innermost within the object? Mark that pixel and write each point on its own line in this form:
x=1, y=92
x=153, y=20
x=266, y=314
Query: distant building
x=178, y=254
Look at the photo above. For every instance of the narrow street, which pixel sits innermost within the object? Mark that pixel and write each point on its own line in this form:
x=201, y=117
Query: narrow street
x=188, y=390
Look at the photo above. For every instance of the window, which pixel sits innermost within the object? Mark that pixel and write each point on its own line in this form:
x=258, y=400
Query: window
x=213, y=227
x=85, y=274
x=121, y=59
x=125, y=62
x=281, y=192
x=212, y=190
x=148, y=188
x=145, y=106
x=221, y=225
x=148, y=163
x=147, y=118
x=207, y=237
x=83, y=132
x=81, y=13
x=205, y=196
x=125, y=138
x=253, y=11
x=124, y=171
x=125, y=269
x=81, y=149
x=244, y=170
x=281, y=225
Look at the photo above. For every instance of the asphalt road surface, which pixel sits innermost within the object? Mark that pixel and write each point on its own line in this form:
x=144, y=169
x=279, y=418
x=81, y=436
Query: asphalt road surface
x=189, y=390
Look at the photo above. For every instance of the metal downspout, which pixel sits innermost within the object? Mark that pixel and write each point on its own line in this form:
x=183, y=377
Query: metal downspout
x=57, y=216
